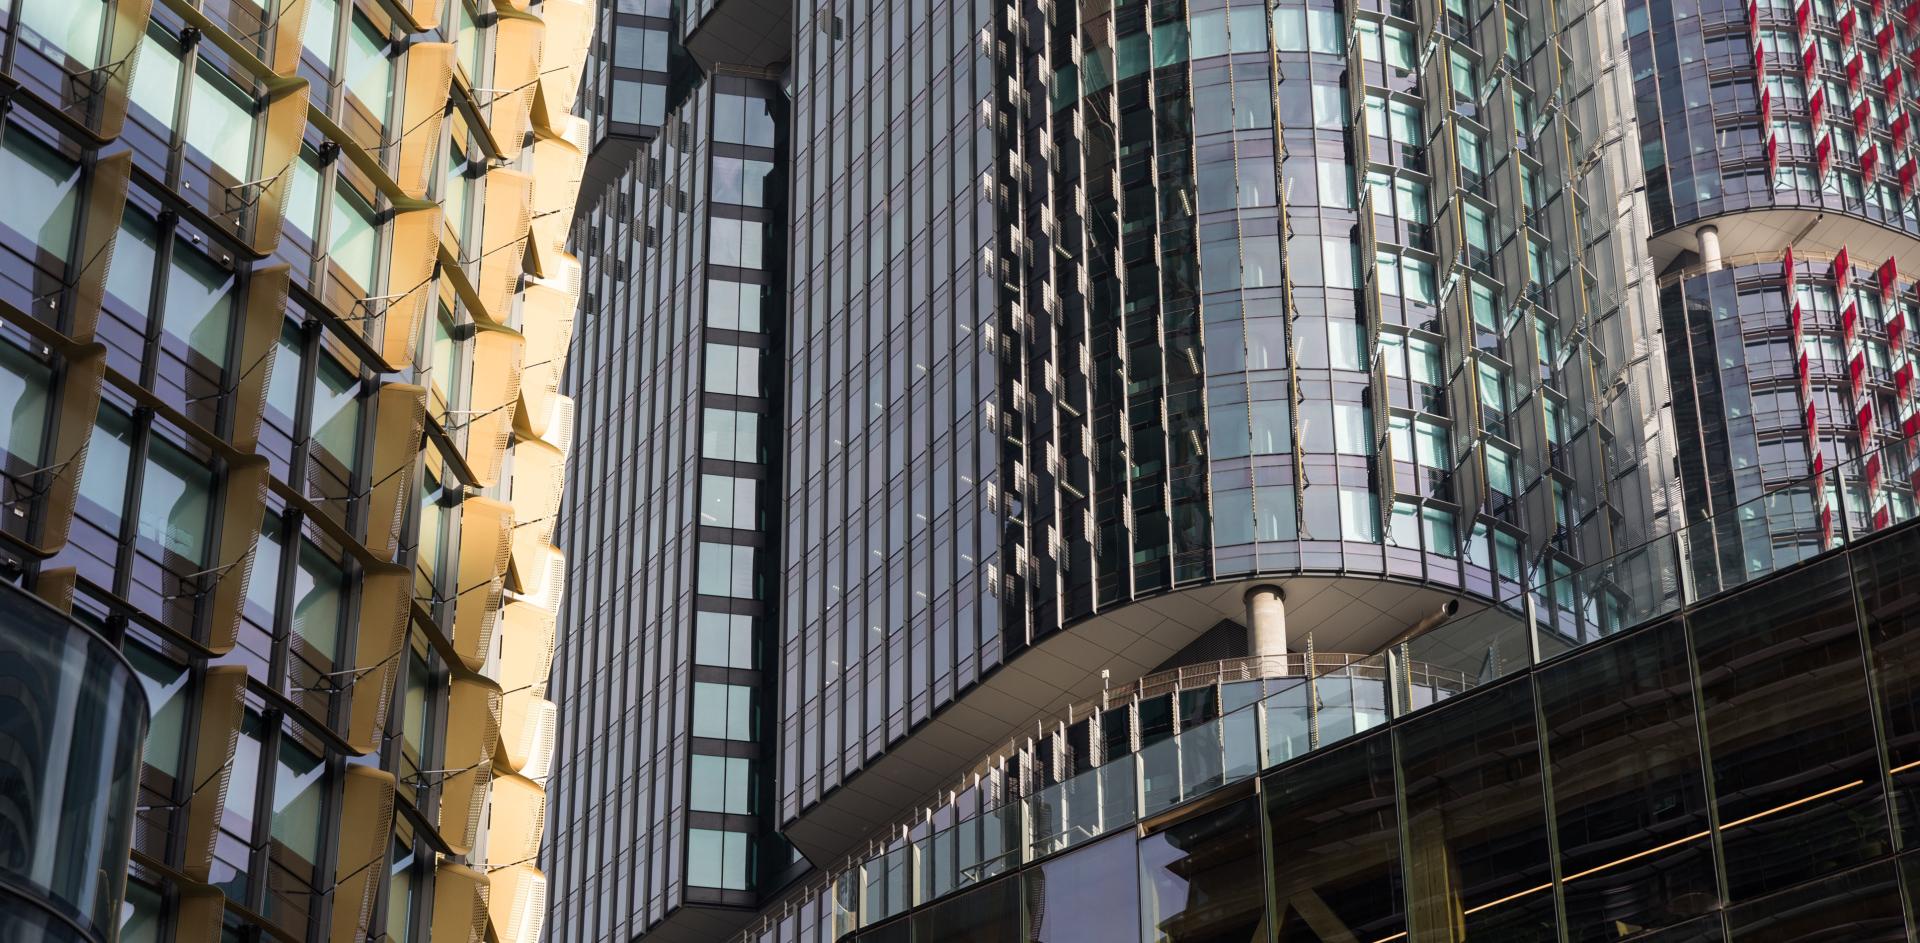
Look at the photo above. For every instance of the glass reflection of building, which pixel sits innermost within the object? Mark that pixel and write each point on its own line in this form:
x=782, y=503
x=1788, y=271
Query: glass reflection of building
x=283, y=302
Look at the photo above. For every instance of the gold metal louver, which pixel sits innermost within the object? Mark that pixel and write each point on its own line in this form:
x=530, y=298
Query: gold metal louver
x=243, y=504
x=221, y=705
x=385, y=594
x=516, y=67
x=519, y=903
x=538, y=472
x=459, y=904
x=558, y=166
x=486, y=535
x=399, y=421
x=410, y=268
x=259, y=342
x=99, y=229
x=473, y=729
x=366, y=828
x=518, y=818
x=526, y=733
x=526, y=658
x=547, y=323
x=282, y=125
x=289, y=25
x=492, y=396
x=56, y=585
x=563, y=54
x=507, y=214
x=198, y=912
x=423, y=109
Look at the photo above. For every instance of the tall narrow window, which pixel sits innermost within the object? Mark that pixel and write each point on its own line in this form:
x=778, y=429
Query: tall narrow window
x=199, y=309
x=43, y=189
x=220, y=122
x=369, y=71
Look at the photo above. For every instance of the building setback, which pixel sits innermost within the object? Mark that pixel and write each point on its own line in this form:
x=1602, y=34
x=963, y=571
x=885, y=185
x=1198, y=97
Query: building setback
x=284, y=302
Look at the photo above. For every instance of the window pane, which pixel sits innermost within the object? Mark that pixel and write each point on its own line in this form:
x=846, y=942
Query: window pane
x=299, y=799
x=355, y=239
x=1200, y=879
x=319, y=594
x=1860, y=906
x=155, y=88
x=733, y=370
x=733, y=305
x=175, y=498
x=43, y=188
x=303, y=195
x=722, y=711
x=199, y=302
x=23, y=406
x=721, y=784
x=103, y=481
x=1089, y=894
x=263, y=583
x=726, y=501
x=283, y=387
x=72, y=27
x=220, y=124
x=727, y=570
x=166, y=686
x=730, y=435
x=723, y=639
x=135, y=250
x=369, y=71
x=1888, y=571
x=1630, y=804
x=1789, y=730
x=322, y=29
x=336, y=411
x=1476, y=827
x=717, y=859
x=1347, y=866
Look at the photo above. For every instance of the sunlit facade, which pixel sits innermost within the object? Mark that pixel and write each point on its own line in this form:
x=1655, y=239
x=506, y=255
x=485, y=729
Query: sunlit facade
x=285, y=305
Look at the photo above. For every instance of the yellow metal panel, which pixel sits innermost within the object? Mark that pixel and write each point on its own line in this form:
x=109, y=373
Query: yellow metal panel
x=221, y=691
x=459, y=904
x=486, y=534
x=366, y=829
x=385, y=594
x=473, y=728
x=399, y=421
x=243, y=505
x=423, y=108
x=259, y=342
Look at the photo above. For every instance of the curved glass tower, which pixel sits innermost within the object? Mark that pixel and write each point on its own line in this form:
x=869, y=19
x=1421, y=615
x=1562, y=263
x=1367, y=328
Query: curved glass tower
x=1039, y=348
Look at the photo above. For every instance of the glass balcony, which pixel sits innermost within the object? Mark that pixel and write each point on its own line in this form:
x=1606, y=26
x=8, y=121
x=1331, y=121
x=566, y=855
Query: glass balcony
x=1271, y=711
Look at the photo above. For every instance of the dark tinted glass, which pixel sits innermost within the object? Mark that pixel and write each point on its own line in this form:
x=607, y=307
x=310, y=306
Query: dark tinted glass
x=987, y=914
x=1888, y=575
x=1335, y=853
x=1860, y=906
x=1089, y=895
x=1476, y=827
x=1200, y=879
x=1788, y=730
x=1629, y=801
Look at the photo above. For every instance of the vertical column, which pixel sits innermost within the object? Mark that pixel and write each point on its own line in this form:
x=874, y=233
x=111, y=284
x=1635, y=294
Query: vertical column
x=1266, y=621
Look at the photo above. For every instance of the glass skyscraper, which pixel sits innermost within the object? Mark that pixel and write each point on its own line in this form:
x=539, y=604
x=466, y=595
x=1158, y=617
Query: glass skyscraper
x=284, y=300
x=1351, y=470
